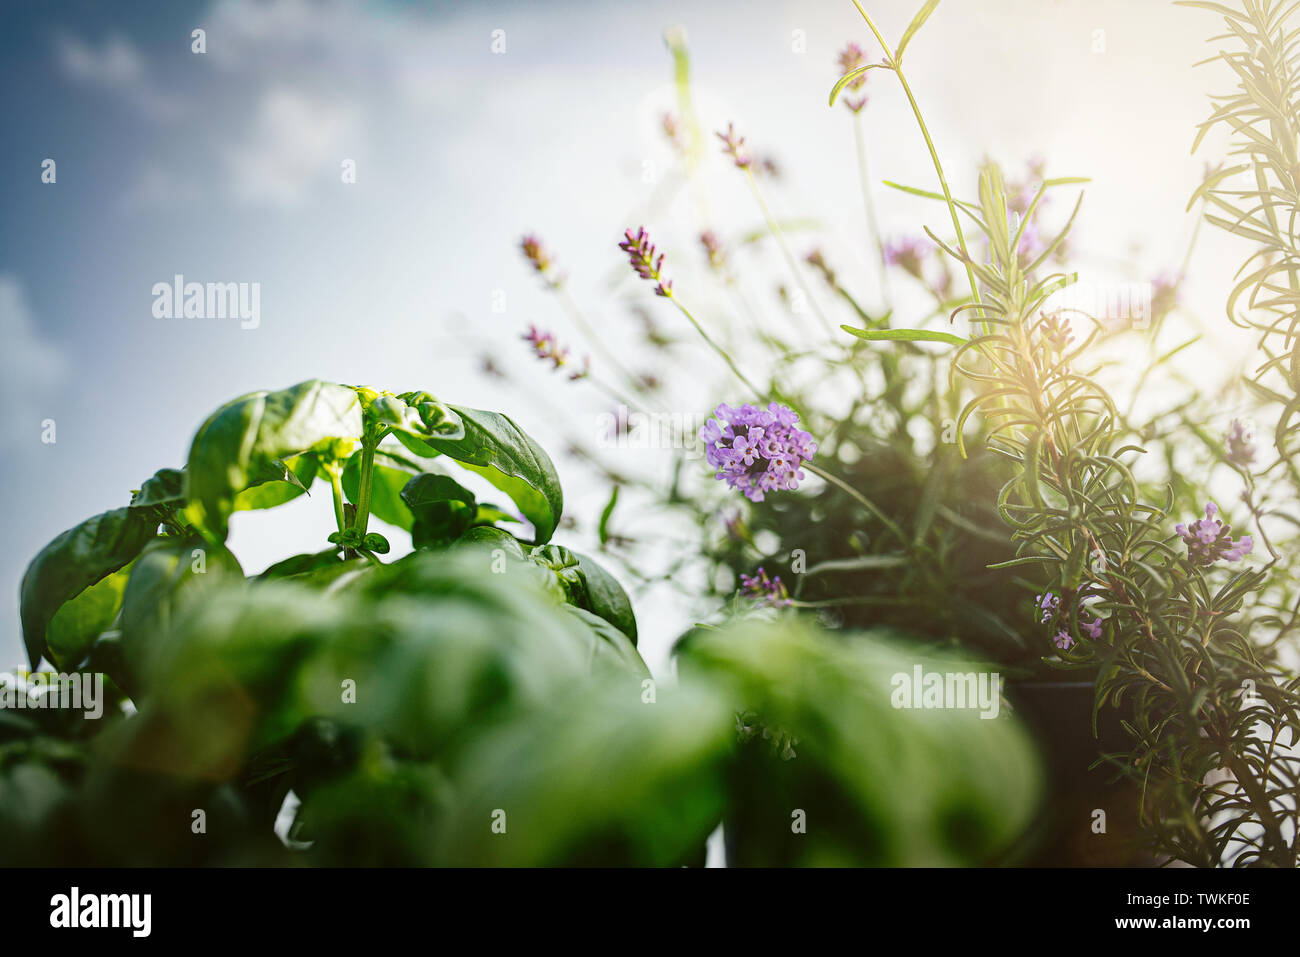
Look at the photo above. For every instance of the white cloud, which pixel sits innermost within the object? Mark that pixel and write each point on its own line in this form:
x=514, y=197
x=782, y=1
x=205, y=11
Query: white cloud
x=116, y=68
x=30, y=367
x=296, y=140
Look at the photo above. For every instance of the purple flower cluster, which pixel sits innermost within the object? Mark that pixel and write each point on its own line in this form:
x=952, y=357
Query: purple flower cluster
x=713, y=248
x=645, y=259
x=765, y=590
x=757, y=450
x=909, y=253
x=733, y=144
x=1048, y=607
x=540, y=259
x=545, y=346
x=1208, y=540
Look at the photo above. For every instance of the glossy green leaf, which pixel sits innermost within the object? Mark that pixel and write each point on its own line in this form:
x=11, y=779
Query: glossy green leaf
x=164, y=487
x=78, y=623
x=441, y=507
x=169, y=572
x=497, y=449
x=606, y=597
x=241, y=442
x=74, y=561
x=292, y=478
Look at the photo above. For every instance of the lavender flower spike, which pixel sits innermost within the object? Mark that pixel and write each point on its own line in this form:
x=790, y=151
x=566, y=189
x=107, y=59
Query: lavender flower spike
x=851, y=58
x=545, y=346
x=757, y=450
x=764, y=590
x=734, y=146
x=646, y=260
x=1208, y=540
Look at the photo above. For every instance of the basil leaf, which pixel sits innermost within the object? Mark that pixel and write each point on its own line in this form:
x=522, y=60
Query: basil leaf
x=78, y=623
x=164, y=487
x=170, y=571
x=443, y=509
x=497, y=449
x=242, y=440
x=75, y=560
x=287, y=481
x=606, y=597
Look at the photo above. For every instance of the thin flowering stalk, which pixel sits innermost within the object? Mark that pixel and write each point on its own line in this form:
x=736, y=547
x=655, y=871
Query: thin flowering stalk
x=647, y=262
x=779, y=236
x=864, y=175
x=539, y=257
x=929, y=143
x=861, y=499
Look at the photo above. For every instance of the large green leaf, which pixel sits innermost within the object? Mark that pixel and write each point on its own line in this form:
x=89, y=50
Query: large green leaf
x=442, y=507
x=170, y=571
x=74, y=561
x=243, y=440
x=285, y=481
x=79, y=622
x=606, y=597
x=497, y=449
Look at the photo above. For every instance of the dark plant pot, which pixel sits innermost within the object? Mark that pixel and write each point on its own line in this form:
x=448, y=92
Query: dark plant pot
x=1068, y=830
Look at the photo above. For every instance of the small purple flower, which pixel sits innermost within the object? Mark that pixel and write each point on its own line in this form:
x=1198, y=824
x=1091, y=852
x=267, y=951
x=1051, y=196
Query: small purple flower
x=540, y=259
x=1239, y=443
x=764, y=590
x=909, y=253
x=1047, y=605
x=1208, y=540
x=851, y=58
x=734, y=146
x=757, y=450
x=545, y=346
x=713, y=247
x=646, y=260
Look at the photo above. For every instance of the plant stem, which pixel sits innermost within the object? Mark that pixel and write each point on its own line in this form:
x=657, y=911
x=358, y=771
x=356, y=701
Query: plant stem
x=897, y=67
x=779, y=236
x=366, y=485
x=861, y=499
x=864, y=174
x=726, y=357
x=336, y=487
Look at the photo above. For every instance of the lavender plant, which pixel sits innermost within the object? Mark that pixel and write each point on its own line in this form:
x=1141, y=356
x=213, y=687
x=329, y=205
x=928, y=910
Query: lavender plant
x=968, y=473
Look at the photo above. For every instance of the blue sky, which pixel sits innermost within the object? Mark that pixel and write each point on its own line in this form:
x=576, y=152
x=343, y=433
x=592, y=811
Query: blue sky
x=225, y=167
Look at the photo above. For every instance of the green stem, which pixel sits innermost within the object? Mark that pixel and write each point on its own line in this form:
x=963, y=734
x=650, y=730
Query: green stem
x=861, y=499
x=336, y=487
x=864, y=174
x=366, y=484
x=897, y=67
x=726, y=357
x=779, y=236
